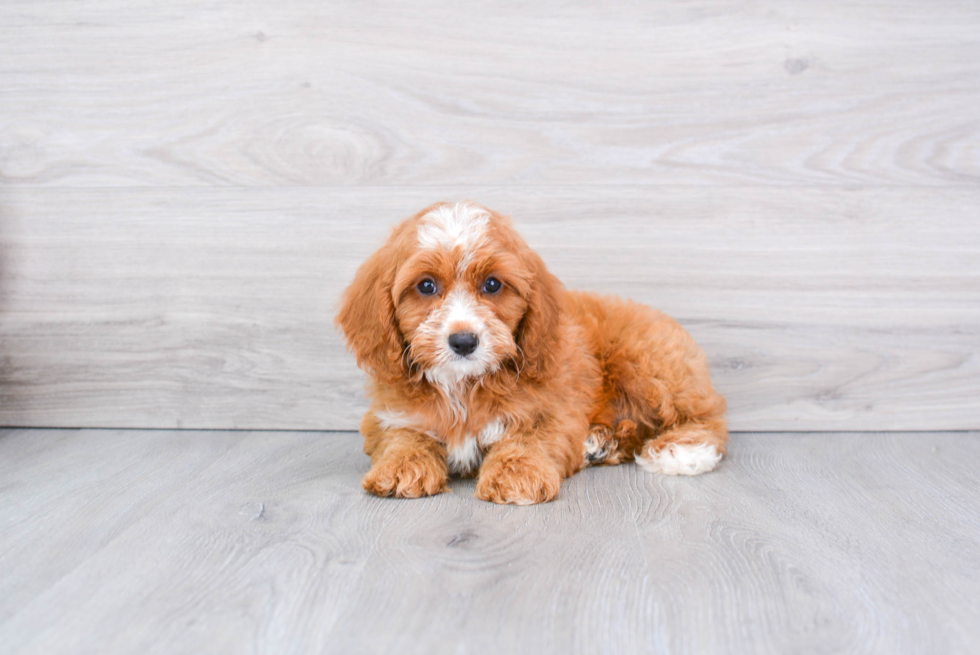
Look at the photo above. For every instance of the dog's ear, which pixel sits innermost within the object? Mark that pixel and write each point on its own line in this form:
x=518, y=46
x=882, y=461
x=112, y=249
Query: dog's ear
x=537, y=334
x=367, y=317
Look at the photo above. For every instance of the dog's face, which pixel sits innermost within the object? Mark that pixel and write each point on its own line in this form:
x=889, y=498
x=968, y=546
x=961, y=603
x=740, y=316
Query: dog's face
x=454, y=294
x=459, y=297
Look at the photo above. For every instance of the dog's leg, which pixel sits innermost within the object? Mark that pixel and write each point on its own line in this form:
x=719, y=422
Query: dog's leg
x=406, y=464
x=519, y=471
x=601, y=444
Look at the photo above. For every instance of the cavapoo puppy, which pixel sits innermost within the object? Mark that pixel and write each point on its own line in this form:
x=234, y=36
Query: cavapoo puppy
x=482, y=364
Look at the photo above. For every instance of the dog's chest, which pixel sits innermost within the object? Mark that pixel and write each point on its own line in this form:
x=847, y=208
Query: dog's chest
x=465, y=446
x=466, y=455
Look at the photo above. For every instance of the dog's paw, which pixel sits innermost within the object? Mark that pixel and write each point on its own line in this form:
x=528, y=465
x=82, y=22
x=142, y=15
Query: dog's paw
x=518, y=481
x=411, y=477
x=679, y=459
x=599, y=445
x=603, y=446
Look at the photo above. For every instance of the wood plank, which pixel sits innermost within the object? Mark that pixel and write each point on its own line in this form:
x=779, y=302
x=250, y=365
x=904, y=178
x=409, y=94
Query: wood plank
x=121, y=93
x=186, y=542
x=820, y=308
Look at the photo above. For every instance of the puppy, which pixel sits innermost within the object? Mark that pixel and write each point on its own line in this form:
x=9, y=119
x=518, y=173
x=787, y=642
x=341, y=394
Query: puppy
x=481, y=363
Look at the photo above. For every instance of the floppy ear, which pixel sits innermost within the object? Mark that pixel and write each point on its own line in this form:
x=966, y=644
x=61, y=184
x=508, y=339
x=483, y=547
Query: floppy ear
x=367, y=318
x=537, y=334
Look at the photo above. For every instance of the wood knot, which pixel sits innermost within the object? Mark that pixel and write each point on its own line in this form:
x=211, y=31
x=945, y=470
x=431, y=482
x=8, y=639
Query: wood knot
x=795, y=65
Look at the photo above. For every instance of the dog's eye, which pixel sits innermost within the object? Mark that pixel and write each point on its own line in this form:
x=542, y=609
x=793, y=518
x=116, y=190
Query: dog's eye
x=492, y=285
x=426, y=287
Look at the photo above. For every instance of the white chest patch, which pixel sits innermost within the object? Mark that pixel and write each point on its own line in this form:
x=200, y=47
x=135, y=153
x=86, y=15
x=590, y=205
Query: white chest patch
x=390, y=420
x=465, y=459
x=491, y=433
x=462, y=460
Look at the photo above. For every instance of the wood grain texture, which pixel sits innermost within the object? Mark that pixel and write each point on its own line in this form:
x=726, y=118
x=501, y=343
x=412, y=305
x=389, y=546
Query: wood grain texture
x=119, y=93
x=187, y=542
x=213, y=308
x=185, y=188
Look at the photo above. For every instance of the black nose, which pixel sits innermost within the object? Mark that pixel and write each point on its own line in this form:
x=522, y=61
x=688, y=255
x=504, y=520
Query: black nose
x=463, y=343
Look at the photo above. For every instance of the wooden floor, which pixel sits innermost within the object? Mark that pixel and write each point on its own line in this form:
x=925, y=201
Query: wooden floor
x=205, y=542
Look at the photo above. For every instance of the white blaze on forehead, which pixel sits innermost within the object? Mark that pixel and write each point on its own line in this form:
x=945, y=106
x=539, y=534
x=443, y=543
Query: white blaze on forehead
x=462, y=225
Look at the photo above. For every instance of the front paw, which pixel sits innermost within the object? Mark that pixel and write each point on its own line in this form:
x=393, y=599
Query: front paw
x=411, y=476
x=518, y=481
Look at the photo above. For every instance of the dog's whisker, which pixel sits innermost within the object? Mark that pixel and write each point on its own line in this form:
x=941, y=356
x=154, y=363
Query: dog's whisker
x=520, y=367
x=413, y=370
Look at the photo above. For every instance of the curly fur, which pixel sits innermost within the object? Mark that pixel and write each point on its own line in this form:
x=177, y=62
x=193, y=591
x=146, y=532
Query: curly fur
x=560, y=379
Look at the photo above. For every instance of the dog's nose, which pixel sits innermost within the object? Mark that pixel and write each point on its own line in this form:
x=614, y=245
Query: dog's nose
x=463, y=343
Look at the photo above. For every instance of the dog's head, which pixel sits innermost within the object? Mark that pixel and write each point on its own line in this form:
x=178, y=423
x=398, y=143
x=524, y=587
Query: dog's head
x=455, y=293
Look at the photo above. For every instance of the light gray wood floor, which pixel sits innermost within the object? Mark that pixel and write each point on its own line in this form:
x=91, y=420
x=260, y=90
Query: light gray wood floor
x=192, y=542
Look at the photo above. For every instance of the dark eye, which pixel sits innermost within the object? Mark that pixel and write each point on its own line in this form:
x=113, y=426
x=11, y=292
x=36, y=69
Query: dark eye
x=492, y=285
x=426, y=287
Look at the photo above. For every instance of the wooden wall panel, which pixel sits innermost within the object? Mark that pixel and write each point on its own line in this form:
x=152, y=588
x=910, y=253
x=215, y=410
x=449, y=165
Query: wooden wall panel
x=186, y=187
x=820, y=308
x=120, y=93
